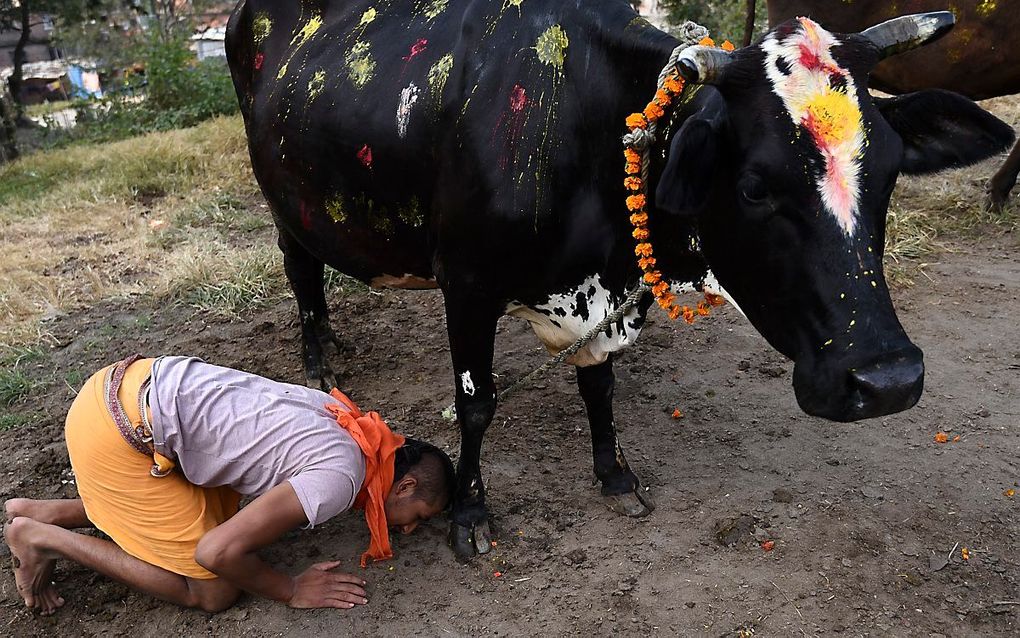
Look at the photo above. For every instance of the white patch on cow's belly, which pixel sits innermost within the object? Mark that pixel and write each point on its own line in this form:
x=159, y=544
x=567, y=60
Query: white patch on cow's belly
x=558, y=331
x=408, y=96
x=407, y=282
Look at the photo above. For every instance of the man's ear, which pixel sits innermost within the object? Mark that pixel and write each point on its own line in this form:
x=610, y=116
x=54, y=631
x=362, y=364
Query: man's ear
x=406, y=485
x=687, y=178
x=941, y=130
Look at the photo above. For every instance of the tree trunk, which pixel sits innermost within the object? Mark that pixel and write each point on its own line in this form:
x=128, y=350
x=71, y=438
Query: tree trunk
x=18, y=75
x=749, y=22
x=8, y=130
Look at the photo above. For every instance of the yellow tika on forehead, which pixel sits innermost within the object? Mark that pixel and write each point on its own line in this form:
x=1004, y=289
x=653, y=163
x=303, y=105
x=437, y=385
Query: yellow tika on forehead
x=821, y=97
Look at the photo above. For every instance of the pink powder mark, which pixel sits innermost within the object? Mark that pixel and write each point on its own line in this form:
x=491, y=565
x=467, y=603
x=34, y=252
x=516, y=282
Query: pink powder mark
x=306, y=216
x=259, y=59
x=365, y=156
x=518, y=98
x=416, y=48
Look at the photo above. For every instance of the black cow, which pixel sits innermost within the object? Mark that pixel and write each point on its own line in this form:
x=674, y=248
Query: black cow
x=476, y=146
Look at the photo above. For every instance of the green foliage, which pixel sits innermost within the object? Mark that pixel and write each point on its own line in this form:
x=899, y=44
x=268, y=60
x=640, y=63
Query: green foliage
x=14, y=385
x=724, y=19
x=175, y=91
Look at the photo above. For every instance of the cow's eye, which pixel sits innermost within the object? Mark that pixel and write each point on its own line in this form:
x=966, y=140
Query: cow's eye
x=753, y=190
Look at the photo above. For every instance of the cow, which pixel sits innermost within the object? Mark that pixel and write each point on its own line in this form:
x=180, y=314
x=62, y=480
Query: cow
x=975, y=59
x=475, y=146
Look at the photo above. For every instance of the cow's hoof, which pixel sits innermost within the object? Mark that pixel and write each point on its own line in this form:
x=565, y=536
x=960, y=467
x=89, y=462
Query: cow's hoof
x=634, y=504
x=470, y=540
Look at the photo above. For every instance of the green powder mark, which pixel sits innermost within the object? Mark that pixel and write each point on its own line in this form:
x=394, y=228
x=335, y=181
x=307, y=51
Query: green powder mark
x=551, y=46
x=367, y=17
x=335, y=208
x=986, y=8
x=283, y=71
x=316, y=85
x=261, y=27
x=438, y=75
x=434, y=8
x=412, y=214
x=360, y=65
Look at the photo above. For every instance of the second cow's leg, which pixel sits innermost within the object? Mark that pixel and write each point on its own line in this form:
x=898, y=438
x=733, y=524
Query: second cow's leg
x=471, y=324
x=319, y=344
x=620, y=487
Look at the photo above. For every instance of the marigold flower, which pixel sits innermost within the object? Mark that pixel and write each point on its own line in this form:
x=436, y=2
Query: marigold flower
x=660, y=289
x=688, y=314
x=636, y=202
x=652, y=277
x=633, y=183
x=715, y=300
x=631, y=155
x=646, y=262
x=677, y=414
x=662, y=98
x=643, y=250
x=964, y=553
x=636, y=120
x=674, y=314
x=707, y=42
x=941, y=437
x=632, y=168
x=640, y=234
x=666, y=300
x=673, y=85
x=727, y=46
x=653, y=111
x=703, y=309
x=639, y=219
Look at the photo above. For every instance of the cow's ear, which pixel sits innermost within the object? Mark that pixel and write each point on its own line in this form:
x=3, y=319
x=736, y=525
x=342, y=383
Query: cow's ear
x=687, y=178
x=943, y=130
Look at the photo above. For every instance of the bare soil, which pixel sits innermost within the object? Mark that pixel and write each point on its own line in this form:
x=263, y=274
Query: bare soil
x=867, y=519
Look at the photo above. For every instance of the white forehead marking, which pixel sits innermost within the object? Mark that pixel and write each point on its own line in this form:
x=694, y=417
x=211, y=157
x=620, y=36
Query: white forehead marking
x=821, y=96
x=565, y=318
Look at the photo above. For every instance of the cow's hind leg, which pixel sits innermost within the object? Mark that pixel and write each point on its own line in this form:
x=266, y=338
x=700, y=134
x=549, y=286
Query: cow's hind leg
x=319, y=344
x=1004, y=180
x=472, y=329
x=620, y=486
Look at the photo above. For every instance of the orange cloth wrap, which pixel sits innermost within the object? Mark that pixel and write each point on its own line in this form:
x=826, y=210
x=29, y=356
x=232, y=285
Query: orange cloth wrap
x=157, y=520
x=379, y=445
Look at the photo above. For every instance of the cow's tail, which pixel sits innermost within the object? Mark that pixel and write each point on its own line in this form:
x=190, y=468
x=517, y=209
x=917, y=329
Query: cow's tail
x=240, y=54
x=749, y=22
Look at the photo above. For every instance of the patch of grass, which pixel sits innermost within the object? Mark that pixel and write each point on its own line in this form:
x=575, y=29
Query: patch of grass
x=338, y=284
x=74, y=379
x=227, y=282
x=14, y=386
x=9, y=421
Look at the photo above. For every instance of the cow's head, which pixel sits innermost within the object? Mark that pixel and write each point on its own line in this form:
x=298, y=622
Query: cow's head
x=788, y=171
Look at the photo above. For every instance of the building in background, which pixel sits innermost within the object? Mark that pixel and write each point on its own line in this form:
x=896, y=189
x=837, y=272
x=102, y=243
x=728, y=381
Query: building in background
x=654, y=12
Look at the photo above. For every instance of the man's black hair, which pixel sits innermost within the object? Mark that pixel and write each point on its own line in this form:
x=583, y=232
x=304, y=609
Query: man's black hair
x=433, y=468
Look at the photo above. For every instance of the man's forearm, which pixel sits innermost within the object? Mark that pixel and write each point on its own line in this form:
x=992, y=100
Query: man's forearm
x=253, y=575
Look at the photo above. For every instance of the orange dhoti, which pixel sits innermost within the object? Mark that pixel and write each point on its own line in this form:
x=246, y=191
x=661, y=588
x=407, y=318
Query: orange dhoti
x=157, y=520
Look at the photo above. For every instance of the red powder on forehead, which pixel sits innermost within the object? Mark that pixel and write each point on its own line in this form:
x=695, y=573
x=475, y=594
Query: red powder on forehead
x=365, y=156
x=259, y=59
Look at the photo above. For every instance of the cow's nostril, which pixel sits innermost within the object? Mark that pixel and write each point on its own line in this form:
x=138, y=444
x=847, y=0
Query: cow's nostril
x=894, y=381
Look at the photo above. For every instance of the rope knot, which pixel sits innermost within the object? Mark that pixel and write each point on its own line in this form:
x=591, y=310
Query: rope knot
x=639, y=139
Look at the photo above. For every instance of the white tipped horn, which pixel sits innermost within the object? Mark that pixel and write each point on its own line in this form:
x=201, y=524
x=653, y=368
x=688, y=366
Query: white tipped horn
x=701, y=64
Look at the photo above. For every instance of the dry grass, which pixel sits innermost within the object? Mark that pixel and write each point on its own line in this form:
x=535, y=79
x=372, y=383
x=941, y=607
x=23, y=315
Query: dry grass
x=82, y=224
x=172, y=214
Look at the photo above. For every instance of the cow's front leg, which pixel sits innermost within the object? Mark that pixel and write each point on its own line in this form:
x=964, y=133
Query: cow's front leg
x=620, y=487
x=1004, y=180
x=319, y=344
x=472, y=329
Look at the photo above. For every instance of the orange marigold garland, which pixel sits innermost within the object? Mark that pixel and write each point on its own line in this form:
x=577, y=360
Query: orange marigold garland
x=637, y=202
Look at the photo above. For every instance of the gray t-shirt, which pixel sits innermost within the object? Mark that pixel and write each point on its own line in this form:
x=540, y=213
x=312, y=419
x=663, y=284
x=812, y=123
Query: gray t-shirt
x=227, y=427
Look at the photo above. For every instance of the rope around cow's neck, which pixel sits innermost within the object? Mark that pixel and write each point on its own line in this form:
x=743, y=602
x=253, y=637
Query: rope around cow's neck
x=689, y=34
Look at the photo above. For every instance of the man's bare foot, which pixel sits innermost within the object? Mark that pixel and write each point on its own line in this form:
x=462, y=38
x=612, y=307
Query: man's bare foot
x=15, y=507
x=33, y=566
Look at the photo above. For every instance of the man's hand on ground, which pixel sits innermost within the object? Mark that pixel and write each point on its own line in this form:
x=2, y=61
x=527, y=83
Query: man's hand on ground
x=318, y=586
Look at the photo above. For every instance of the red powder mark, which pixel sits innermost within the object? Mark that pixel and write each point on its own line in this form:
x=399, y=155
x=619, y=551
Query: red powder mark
x=365, y=156
x=306, y=216
x=259, y=59
x=518, y=98
x=811, y=61
x=416, y=48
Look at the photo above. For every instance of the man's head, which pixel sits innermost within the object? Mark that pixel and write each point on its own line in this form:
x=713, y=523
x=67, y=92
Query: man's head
x=423, y=483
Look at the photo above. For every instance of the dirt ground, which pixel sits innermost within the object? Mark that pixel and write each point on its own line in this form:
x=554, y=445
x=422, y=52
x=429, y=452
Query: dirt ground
x=868, y=519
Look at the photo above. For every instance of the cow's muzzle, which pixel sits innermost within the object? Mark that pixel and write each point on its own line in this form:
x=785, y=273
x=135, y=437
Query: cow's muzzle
x=888, y=384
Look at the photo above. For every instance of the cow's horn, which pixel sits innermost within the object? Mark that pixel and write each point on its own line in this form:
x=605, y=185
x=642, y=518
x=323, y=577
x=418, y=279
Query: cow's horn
x=701, y=64
x=908, y=32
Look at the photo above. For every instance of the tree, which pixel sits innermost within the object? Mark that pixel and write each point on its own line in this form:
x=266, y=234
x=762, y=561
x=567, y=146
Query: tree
x=725, y=19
